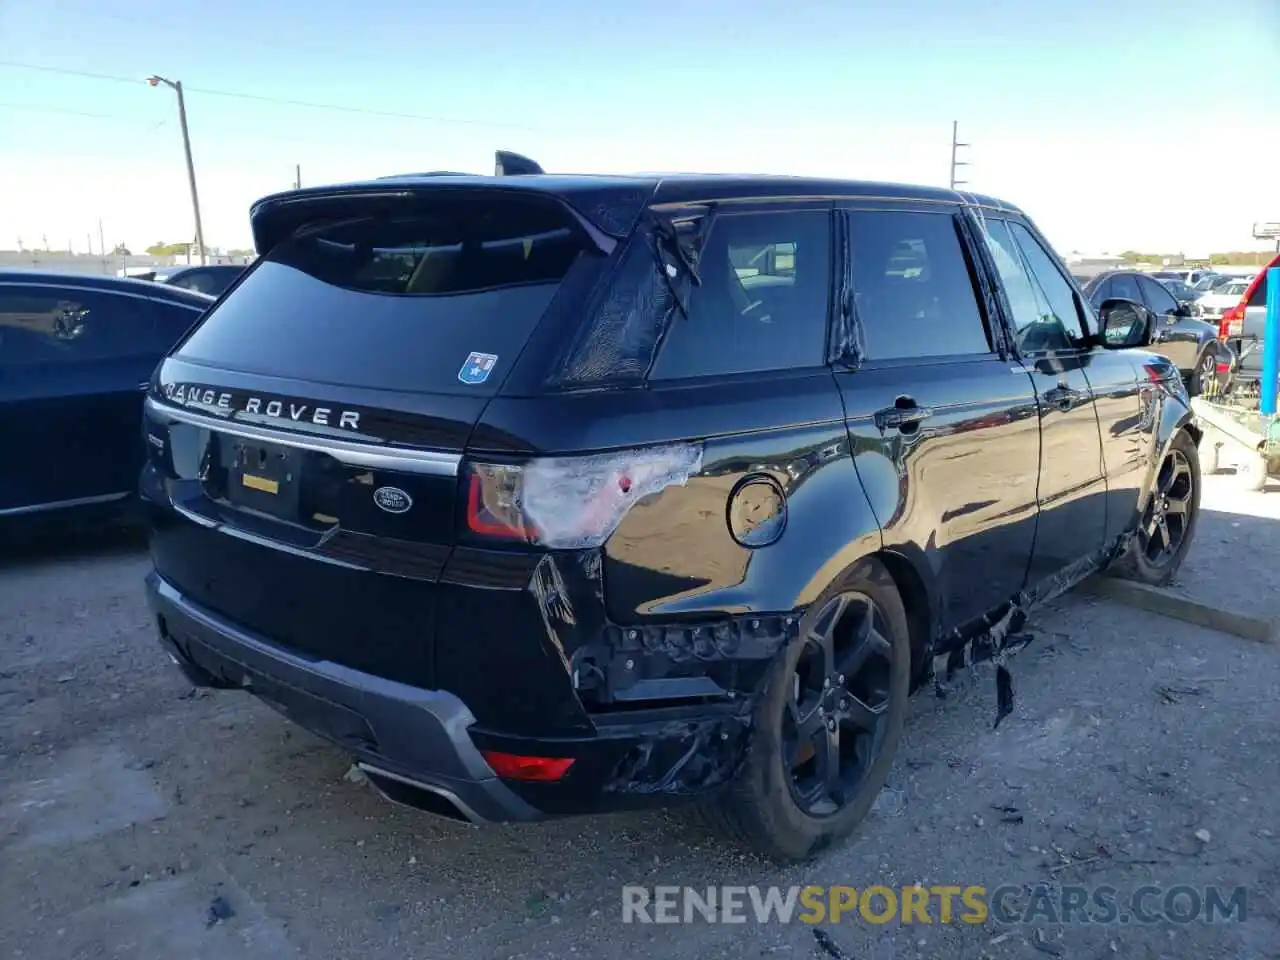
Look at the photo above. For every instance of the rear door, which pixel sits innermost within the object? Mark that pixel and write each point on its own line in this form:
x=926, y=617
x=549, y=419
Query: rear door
x=943, y=426
x=746, y=372
x=1049, y=335
x=73, y=366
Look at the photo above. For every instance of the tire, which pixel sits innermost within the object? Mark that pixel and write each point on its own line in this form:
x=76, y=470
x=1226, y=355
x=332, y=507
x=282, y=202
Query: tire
x=1204, y=378
x=1138, y=563
x=760, y=807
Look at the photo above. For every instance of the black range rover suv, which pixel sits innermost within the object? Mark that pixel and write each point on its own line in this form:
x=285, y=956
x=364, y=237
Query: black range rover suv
x=549, y=495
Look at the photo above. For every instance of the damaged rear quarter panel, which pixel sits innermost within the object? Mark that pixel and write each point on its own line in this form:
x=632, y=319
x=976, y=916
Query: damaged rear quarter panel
x=666, y=632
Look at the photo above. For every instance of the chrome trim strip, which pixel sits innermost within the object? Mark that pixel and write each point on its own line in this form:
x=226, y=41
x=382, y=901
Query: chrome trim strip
x=62, y=504
x=449, y=795
x=262, y=541
x=409, y=460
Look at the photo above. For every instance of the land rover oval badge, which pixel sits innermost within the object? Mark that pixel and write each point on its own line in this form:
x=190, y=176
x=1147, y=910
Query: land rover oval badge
x=392, y=499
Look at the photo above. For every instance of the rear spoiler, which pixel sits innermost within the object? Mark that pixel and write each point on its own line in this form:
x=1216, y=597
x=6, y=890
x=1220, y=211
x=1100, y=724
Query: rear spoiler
x=505, y=164
x=606, y=213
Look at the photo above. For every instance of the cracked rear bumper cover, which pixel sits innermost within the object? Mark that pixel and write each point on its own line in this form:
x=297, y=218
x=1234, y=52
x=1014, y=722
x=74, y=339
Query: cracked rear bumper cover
x=429, y=739
x=411, y=735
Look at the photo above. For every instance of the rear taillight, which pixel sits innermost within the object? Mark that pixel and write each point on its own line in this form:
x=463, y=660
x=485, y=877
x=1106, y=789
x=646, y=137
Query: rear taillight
x=1232, y=322
x=568, y=503
x=512, y=766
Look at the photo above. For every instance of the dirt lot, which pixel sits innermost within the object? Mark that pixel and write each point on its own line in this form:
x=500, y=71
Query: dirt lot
x=139, y=819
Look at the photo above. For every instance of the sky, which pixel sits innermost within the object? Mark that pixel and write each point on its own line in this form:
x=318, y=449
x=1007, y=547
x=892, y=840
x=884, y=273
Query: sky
x=1115, y=124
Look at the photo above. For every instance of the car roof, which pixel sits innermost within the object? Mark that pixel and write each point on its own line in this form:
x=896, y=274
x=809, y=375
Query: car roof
x=667, y=187
x=610, y=202
x=98, y=281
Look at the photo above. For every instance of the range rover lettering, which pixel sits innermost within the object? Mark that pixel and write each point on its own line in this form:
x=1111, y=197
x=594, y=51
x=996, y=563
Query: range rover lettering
x=661, y=489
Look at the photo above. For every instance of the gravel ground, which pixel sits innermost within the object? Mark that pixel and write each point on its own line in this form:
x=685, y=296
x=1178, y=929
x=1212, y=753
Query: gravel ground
x=142, y=819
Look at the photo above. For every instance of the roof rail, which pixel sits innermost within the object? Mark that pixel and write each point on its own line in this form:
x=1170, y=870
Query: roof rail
x=508, y=164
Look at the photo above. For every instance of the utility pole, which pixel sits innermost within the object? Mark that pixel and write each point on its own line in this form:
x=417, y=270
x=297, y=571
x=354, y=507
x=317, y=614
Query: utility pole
x=297, y=176
x=955, y=146
x=102, y=244
x=176, y=86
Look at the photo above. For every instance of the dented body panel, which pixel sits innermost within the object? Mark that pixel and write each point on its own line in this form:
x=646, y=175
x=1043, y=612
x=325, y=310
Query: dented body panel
x=466, y=611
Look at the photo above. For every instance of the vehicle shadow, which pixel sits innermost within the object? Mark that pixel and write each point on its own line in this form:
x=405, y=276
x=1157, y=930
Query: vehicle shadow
x=28, y=544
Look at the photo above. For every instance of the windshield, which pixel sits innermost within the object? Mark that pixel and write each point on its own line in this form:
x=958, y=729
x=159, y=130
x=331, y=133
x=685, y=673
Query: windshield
x=401, y=304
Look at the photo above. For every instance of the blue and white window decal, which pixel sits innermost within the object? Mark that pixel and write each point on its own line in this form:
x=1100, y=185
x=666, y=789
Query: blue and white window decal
x=477, y=368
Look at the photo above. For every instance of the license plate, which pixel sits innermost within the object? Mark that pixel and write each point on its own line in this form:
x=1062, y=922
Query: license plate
x=264, y=477
x=254, y=482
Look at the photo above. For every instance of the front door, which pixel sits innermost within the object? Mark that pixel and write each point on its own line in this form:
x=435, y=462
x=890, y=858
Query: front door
x=1049, y=335
x=943, y=428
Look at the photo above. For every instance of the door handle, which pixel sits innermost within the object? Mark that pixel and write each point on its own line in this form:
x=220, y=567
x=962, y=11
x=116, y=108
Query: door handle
x=904, y=416
x=1063, y=397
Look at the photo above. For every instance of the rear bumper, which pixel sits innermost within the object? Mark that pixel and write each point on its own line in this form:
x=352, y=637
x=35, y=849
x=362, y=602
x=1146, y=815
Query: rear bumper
x=422, y=747
x=402, y=736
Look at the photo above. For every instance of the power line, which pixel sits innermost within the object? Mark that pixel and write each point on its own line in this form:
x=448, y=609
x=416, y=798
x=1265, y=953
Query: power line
x=41, y=108
x=285, y=101
x=69, y=73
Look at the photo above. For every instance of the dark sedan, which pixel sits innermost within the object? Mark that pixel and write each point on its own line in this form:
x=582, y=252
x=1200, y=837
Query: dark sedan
x=1192, y=344
x=76, y=356
x=211, y=279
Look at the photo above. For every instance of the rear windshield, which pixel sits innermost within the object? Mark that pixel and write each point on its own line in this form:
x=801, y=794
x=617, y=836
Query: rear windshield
x=442, y=301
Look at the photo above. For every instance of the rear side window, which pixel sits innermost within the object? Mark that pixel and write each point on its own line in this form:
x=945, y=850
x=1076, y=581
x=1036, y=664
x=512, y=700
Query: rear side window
x=41, y=325
x=913, y=291
x=763, y=300
x=441, y=301
x=1258, y=298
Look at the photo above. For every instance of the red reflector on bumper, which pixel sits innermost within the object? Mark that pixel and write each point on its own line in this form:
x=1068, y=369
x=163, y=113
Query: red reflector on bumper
x=510, y=766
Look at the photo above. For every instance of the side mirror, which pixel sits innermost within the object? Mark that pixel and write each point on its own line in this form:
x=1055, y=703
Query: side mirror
x=1185, y=309
x=1125, y=324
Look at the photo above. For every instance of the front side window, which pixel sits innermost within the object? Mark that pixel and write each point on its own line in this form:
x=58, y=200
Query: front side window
x=912, y=287
x=1042, y=302
x=763, y=300
x=1159, y=300
x=1124, y=286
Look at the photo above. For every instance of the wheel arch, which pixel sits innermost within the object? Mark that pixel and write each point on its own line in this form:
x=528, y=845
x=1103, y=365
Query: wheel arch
x=919, y=599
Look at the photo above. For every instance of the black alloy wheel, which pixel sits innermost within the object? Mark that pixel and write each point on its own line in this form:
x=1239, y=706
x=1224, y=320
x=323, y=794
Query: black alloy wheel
x=835, y=718
x=1167, y=518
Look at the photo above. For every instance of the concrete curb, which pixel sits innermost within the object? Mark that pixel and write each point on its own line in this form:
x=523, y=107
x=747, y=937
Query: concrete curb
x=1166, y=603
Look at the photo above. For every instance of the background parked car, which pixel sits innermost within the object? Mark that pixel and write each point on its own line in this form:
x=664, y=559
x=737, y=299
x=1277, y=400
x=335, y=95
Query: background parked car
x=1242, y=325
x=1189, y=277
x=76, y=355
x=1191, y=344
x=1221, y=298
x=211, y=279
